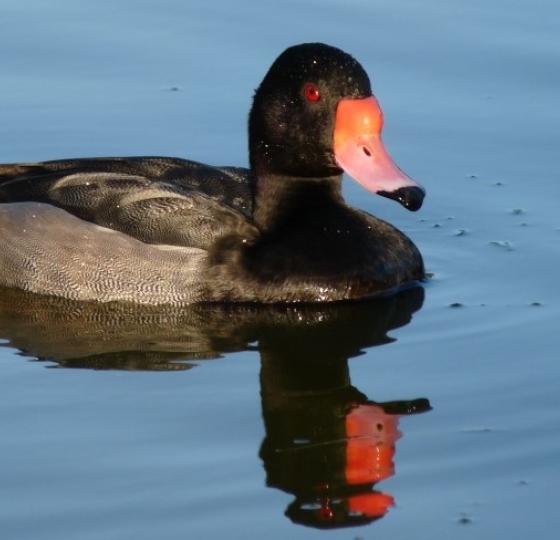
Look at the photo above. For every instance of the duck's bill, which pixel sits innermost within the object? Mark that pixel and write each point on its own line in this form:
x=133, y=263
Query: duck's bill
x=360, y=152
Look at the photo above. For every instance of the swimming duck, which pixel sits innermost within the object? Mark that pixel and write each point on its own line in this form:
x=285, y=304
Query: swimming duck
x=159, y=230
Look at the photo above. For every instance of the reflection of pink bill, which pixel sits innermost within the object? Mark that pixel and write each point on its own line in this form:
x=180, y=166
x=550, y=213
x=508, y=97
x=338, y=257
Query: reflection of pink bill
x=370, y=448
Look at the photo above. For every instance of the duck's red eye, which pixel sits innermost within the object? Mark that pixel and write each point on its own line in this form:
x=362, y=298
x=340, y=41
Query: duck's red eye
x=311, y=92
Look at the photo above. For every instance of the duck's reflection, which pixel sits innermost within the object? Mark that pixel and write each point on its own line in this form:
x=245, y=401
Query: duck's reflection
x=326, y=443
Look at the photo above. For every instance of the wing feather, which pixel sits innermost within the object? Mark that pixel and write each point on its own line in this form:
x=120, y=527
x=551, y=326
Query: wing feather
x=156, y=200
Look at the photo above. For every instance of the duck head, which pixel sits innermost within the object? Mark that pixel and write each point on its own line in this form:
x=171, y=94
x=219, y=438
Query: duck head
x=314, y=115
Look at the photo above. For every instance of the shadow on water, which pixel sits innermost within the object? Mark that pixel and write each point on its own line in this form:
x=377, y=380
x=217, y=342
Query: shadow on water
x=326, y=443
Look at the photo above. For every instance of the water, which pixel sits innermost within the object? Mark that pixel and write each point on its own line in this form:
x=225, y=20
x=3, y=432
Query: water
x=238, y=399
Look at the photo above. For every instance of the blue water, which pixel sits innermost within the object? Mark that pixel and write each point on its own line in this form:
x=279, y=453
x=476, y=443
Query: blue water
x=115, y=451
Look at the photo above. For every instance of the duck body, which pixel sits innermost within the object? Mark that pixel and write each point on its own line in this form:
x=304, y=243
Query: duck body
x=159, y=230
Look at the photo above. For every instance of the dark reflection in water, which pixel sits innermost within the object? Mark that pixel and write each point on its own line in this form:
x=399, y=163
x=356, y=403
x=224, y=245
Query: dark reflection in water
x=326, y=442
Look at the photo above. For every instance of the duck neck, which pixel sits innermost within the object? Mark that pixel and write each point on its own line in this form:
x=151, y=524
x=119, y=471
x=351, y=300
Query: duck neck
x=278, y=197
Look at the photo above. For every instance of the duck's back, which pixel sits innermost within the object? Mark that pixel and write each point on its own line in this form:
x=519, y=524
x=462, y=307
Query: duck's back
x=156, y=200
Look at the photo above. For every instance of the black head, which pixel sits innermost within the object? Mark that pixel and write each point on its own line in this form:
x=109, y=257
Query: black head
x=292, y=119
x=314, y=116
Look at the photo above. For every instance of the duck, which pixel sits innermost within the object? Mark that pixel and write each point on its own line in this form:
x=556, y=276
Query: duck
x=159, y=230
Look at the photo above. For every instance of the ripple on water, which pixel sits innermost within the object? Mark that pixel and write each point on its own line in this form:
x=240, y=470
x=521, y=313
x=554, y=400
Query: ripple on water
x=504, y=245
